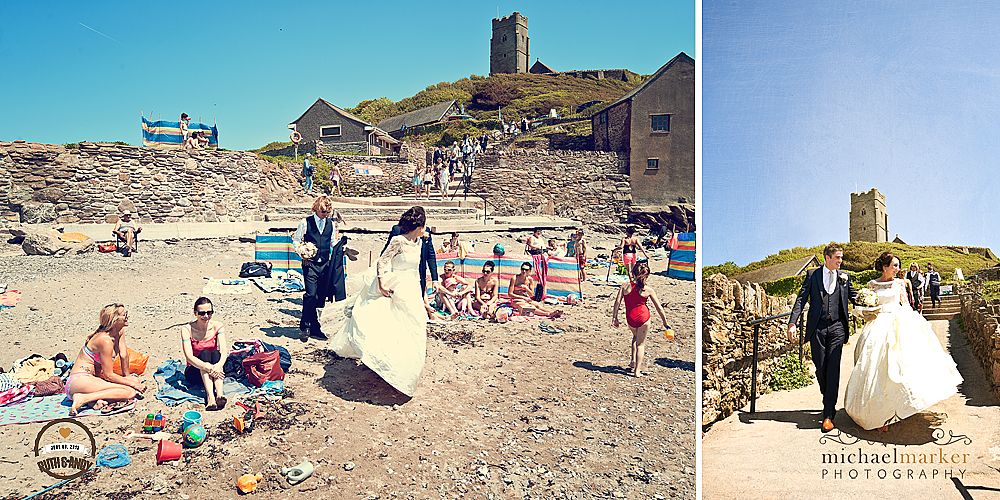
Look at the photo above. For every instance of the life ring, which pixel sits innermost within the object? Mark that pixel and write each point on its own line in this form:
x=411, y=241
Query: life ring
x=295, y=137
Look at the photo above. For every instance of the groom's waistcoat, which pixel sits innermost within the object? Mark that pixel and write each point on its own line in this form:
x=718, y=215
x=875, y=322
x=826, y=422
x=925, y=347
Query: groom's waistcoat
x=320, y=239
x=831, y=302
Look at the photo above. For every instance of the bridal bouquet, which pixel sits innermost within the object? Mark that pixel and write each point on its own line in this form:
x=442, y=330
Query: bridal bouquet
x=306, y=250
x=867, y=298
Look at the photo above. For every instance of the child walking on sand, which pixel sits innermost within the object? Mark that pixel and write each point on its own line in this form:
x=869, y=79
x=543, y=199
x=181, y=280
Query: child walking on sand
x=636, y=293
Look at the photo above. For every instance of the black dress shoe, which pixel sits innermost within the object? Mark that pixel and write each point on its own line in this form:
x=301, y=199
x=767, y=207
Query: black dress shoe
x=319, y=335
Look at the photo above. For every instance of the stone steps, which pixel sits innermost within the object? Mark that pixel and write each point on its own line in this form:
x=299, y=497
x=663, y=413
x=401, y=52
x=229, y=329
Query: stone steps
x=950, y=307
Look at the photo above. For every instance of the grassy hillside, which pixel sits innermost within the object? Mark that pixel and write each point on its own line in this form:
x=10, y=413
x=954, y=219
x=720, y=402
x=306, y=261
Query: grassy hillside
x=860, y=256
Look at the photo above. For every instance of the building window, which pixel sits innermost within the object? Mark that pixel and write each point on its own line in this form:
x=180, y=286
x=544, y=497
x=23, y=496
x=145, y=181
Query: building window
x=505, y=38
x=604, y=117
x=329, y=131
x=660, y=123
x=862, y=211
x=653, y=164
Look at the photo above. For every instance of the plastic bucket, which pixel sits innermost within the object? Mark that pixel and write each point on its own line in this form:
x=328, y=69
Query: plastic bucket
x=190, y=418
x=168, y=450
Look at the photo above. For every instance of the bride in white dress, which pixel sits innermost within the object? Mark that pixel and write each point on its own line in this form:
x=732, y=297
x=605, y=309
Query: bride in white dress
x=900, y=368
x=386, y=326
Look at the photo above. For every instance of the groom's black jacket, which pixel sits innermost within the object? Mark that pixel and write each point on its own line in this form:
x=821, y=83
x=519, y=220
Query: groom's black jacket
x=812, y=289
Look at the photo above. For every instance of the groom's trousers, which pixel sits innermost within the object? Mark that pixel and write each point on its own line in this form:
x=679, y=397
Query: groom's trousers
x=827, y=347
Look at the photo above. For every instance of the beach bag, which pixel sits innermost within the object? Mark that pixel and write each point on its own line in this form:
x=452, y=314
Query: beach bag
x=107, y=247
x=136, y=363
x=263, y=367
x=255, y=270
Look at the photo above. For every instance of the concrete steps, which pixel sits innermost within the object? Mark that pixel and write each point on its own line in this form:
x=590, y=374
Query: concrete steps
x=950, y=307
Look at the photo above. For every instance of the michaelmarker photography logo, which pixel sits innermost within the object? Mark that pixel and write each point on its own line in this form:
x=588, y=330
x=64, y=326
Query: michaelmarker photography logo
x=944, y=456
x=65, y=449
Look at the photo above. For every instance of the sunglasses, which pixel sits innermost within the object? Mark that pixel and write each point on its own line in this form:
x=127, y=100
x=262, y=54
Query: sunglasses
x=487, y=271
x=525, y=268
x=449, y=269
x=204, y=313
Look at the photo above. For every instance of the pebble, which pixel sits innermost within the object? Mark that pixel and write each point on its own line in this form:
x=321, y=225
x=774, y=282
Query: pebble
x=349, y=466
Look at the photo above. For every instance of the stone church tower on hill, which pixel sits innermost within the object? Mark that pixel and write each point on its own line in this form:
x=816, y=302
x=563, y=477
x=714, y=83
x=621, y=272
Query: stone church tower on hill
x=509, y=45
x=869, y=221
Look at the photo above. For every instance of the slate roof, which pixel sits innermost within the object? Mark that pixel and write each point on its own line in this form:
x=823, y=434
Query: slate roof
x=422, y=116
x=778, y=271
x=680, y=57
x=540, y=68
x=335, y=108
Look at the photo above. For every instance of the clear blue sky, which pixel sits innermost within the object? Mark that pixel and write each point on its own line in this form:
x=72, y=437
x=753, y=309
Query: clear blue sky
x=806, y=102
x=77, y=71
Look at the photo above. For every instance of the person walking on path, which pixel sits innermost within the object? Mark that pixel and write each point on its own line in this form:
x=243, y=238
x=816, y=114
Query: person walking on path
x=933, y=284
x=307, y=173
x=635, y=293
x=828, y=290
x=335, y=180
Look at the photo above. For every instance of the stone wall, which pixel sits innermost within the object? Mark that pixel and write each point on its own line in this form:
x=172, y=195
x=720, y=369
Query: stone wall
x=396, y=178
x=727, y=343
x=93, y=183
x=980, y=320
x=989, y=274
x=582, y=185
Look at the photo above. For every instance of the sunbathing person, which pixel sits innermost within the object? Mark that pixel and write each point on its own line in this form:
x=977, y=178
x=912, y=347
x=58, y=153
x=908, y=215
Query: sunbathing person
x=203, y=342
x=555, y=249
x=521, y=290
x=93, y=379
x=126, y=229
x=486, y=290
x=454, y=293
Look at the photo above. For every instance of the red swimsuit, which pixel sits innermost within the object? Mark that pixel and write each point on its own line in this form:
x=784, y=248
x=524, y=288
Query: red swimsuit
x=636, y=312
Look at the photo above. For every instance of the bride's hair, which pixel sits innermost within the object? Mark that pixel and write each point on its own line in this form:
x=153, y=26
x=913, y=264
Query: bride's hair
x=412, y=219
x=884, y=260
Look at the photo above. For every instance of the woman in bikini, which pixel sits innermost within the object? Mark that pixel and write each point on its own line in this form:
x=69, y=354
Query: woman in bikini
x=93, y=379
x=635, y=293
x=628, y=245
x=205, y=349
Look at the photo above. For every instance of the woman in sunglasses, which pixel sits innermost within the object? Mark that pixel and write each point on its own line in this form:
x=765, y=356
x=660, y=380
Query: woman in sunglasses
x=486, y=286
x=205, y=349
x=522, y=289
x=93, y=379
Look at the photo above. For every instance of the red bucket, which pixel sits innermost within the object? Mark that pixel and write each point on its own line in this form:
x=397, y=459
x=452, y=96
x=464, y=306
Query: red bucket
x=168, y=450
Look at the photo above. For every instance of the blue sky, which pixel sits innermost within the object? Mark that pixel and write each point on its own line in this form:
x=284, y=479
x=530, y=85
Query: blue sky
x=806, y=102
x=77, y=71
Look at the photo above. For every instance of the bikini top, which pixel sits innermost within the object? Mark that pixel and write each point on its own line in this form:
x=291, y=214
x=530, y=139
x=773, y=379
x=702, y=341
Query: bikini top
x=95, y=356
x=628, y=248
x=211, y=344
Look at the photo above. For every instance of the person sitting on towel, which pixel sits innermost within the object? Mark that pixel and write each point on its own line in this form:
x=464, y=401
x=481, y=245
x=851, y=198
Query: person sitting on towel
x=203, y=342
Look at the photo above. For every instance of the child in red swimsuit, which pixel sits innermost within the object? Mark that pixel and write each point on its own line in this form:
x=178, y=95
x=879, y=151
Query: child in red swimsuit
x=635, y=293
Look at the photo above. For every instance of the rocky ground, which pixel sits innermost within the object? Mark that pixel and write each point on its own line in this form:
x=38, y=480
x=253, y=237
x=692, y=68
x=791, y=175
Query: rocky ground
x=502, y=411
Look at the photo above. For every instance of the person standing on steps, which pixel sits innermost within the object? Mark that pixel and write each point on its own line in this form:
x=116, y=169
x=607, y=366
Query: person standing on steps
x=933, y=284
x=828, y=290
x=307, y=173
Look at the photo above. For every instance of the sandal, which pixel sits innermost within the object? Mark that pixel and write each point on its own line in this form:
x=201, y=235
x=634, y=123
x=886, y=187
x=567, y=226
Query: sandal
x=547, y=328
x=220, y=402
x=212, y=407
x=117, y=406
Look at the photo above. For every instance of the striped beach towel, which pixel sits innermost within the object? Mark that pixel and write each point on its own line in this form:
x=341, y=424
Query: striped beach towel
x=682, y=257
x=562, y=281
x=167, y=134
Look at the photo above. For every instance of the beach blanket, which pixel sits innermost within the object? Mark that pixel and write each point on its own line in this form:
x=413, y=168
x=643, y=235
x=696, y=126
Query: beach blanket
x=173, y=388
x=74, y=237
x=278, y=285
x=167, y=134
x=682, y=256
x=9, y=299
x=48, y=408
x=218, y=287
x=561, y=281
x=277, y=250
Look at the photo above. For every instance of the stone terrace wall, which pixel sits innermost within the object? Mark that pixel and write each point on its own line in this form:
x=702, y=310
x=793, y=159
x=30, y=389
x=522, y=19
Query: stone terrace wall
x=582, y=185
x=727, y=343
x=989, y=274
x=95, y=182
x=397, y=178
x=980, y=320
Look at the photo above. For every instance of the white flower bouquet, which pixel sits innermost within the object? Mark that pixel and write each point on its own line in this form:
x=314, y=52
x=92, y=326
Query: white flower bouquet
x=306, y=250
x=868, y=304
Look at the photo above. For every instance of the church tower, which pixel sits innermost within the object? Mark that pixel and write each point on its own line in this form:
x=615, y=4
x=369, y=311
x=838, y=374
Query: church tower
x=869, y=221
x=509, y=45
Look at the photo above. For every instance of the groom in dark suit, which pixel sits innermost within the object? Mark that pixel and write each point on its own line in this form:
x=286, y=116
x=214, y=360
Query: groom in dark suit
x=828, y=290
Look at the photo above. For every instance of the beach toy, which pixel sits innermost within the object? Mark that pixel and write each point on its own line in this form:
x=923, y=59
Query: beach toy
x=190, y=418
x=168, y=450
x=498, y=249
x=247, y=483
x=298, y=473
x=147, y=426
x=158, y=423
x=668, y=333
x=194, y=435
x=155, y=437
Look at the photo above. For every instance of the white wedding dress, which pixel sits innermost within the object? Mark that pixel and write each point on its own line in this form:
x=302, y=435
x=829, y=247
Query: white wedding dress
x=388, y=334
x=900, y=368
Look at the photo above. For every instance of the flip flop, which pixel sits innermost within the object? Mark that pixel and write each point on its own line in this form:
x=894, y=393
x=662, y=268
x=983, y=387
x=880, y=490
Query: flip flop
x=220, y=402
x=118, y=406
x=545, y=327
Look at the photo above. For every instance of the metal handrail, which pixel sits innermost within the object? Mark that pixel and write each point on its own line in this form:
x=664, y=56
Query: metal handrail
x=756, y=349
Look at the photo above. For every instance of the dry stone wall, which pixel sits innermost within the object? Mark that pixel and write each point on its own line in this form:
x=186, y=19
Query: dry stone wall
x=727, y=343
x=94, y=183
x=582, y=185
x=980, y=320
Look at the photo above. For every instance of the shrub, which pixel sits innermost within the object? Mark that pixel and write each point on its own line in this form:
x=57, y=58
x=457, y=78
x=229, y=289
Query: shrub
x=790, y=374
x=493, y=93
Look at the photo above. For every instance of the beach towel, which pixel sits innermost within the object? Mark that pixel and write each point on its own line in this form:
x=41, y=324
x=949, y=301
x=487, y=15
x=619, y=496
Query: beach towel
x=73, y=237
x=562, y=278
x=173, y=388
x=166, y=134
x=269, y=285
x=217, y=287
x=48, y=408
x=9, y=299
x=277, y=250
x=682, y=258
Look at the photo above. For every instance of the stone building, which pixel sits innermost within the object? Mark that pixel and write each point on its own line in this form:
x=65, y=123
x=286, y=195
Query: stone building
x=869, y=221
x=652, y=128
x=333, y=129
x=509, y=45
x=437, y=113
